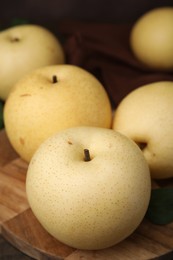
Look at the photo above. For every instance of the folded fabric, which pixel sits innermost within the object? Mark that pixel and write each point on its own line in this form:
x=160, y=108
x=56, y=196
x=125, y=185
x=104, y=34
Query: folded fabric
x=104, y=50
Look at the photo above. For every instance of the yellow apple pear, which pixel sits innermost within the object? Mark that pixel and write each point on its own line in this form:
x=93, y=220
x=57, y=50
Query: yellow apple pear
x=50, y=99
x=146, y=116
x=89, y=187
x=24, y=48
x=151, y=38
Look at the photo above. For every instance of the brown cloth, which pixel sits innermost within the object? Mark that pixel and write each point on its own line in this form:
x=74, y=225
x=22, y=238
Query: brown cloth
x=104, y=50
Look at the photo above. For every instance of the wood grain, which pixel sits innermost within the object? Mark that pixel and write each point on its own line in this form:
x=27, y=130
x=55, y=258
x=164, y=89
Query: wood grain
x=12, y=181
x=12, y=190
x=7, y=153
x=31, y=238
x=20, y=227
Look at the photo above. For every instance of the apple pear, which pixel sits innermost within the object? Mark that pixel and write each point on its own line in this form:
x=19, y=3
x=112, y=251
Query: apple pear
x=146, y=116
x=24, y=48
x=50, y=99
x=89, y=187
x=151, y=38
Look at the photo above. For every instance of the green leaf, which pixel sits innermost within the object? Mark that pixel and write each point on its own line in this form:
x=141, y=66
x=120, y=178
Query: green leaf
x=14, y=22
x=160, y=210
x=18, y=21
x=1, y=114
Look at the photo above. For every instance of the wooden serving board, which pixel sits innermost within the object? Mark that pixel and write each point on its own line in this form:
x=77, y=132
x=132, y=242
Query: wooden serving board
x=20, y=227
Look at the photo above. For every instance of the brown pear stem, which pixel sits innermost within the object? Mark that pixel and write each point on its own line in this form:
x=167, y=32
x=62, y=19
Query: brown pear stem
x=87, y=157
x=54, y=79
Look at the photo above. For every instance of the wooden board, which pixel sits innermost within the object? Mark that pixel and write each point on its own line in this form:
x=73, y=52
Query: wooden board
x=20, y=227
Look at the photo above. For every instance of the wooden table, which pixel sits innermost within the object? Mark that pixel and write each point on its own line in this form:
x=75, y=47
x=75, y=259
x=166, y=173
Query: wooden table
x=19, y=227
x=7, y=251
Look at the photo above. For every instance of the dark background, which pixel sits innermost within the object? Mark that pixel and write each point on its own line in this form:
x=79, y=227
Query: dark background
x=50, y=13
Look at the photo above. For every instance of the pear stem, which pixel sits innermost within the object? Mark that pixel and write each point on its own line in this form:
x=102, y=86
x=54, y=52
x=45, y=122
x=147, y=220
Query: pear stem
x=54, y=79
x=87, y=157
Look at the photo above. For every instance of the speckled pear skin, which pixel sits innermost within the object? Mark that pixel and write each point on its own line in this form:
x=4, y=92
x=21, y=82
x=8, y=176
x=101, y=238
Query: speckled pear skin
x=89, y=204
x=146, y=116
x=39, y=107
x=24, y=48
